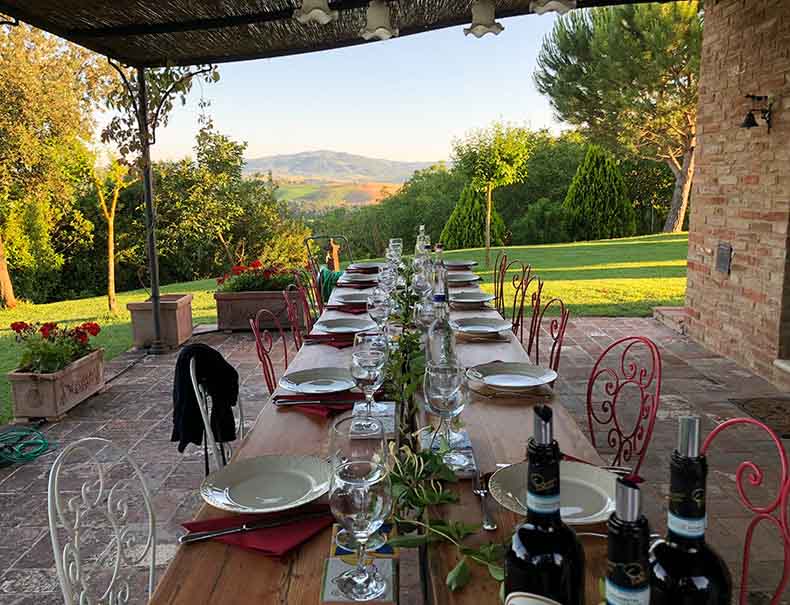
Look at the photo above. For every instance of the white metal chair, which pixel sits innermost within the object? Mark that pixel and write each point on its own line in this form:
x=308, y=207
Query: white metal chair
x=98, y=499
x=221, y=452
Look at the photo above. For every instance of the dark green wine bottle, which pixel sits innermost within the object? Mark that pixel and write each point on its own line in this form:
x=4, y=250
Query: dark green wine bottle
x=627, y=580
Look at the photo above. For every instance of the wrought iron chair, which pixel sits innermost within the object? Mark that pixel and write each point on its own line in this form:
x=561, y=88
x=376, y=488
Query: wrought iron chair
x=554, y=331
x=264, y=343
x=314, y=276
x=775, y=512
x=500, y=268
x=627, y=431
x=306, y=281
x=222, y=452
x=97, y=489
x=523, y=281
x=299, y=315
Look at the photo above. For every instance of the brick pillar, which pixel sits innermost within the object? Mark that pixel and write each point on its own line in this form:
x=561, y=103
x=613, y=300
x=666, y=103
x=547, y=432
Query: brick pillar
x=742, y=188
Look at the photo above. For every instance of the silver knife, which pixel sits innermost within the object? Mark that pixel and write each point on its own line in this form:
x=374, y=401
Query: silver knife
x=199, y=536
x=481, y=489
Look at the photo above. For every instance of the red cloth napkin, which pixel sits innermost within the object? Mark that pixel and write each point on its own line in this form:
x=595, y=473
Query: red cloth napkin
x=362, y=286
x=275, y=541
x=363, y=271
x=354, y=309
x=324, y=411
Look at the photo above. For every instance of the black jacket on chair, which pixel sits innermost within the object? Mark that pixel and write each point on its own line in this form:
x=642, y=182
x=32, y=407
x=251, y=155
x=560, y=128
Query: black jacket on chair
x=221, y=381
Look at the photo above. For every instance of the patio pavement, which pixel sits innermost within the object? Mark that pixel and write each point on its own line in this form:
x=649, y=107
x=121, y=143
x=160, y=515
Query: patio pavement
x=135, y=412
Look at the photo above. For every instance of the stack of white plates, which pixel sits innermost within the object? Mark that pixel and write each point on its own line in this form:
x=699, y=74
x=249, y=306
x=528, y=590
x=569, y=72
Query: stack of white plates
x=316, y=381
x=480, y=326
x=462, y=277
x=345, y=325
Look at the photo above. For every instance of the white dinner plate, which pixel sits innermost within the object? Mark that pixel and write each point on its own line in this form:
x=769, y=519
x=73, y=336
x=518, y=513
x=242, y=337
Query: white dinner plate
x=455, y=265
x=345, y=325
x=267, y=484
x=586, y=491
x=353, y=298
x=462, y=277
x=358, y=278
x=511, y=376
x=471, y=297
x=479, y=325
x=366, y=266
x=318, y=380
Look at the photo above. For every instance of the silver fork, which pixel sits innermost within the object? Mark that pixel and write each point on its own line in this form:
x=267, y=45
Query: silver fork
x=481, y=489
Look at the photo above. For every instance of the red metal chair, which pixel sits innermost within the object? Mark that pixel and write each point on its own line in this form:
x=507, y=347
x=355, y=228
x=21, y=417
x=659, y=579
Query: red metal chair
x=522, y=281
x=554, y=330
x=627, y=429
x=500, y=268
x=307, y=281
x=264, y=343
x=774, y=512
x=299, y=316
x=313, y=274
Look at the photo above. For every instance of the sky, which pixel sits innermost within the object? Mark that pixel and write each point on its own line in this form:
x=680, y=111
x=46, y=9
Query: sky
x=402, y=99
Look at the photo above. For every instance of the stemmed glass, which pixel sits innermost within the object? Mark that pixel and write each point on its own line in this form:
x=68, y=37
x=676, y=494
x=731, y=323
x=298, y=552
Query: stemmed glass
x=379, y=308
x=360, y=496
x=373, y=342
x=444, y=397
x=367, y=369
x=348, y=441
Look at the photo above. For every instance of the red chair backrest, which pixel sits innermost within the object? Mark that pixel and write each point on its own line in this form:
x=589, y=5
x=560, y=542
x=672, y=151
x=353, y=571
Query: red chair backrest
x=313, y=273
x=264, y=343
x=522, y=281
x=299, y=315
x=500, y=265
x=775, y=512
x=628, y=443
x=555, y=329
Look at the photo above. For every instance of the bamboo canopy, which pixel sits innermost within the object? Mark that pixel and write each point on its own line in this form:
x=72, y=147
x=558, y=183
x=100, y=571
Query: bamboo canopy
x=158, y=33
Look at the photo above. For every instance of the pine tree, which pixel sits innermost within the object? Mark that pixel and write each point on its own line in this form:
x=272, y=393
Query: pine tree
x=597, y=202
x=466, y=226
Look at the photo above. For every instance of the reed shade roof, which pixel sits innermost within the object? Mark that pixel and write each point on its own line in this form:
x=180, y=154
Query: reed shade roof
x=155, y=33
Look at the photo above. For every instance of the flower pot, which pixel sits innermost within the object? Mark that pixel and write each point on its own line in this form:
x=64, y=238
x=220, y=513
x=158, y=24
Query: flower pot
x=50, y=396
x=234, y=309
x=176, y=318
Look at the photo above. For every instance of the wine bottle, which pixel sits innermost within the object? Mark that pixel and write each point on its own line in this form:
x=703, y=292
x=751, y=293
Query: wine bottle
x=545, y=557
x=684, y=569
x=627, y=580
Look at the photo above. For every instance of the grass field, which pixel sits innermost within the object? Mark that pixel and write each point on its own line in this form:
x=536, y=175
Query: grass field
x=625, y=277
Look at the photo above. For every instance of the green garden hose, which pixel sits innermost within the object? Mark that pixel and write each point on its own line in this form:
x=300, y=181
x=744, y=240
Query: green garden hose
x=21, y=444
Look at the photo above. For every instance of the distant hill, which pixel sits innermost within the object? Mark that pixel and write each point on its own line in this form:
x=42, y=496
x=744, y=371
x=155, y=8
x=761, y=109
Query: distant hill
x=334, y=166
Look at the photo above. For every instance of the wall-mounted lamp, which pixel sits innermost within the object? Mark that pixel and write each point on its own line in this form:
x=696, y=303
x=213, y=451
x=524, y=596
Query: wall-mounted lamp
x=765, y=111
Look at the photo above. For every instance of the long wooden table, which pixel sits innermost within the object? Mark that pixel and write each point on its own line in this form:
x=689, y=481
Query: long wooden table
x=211, y=572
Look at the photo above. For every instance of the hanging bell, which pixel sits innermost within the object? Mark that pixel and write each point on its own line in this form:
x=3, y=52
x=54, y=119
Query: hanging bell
x=378, y=24
x=483, y=20
x=749, y=121
x=544, y=6
x=315, y=11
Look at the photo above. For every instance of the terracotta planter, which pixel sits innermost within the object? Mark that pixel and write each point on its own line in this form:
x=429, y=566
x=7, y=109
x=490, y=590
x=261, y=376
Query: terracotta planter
x=234, y=309
x=50, y=396
x=176, y=317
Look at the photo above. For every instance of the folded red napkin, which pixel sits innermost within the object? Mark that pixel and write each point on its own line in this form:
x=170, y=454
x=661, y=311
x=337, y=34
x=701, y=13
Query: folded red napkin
x=274, y=541
x=357, y=286
x=324, y=411
x=341, y=397
x=370, y=271
x=354, y=309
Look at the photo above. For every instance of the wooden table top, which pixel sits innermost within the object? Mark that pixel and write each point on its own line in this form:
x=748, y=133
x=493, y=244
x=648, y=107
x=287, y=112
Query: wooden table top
x=214, y=572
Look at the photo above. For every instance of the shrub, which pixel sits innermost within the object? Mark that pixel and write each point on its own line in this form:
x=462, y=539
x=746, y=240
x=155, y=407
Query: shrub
x=49, y=348
x=544, y=222
x=466, y=227
x=255, y=278
x=597, y=203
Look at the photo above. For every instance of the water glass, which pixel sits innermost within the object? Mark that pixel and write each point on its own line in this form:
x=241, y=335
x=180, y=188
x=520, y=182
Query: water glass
x=373, y=342
x=367, y=369
x=379, y=308
x=444, y=397
x=360, y=496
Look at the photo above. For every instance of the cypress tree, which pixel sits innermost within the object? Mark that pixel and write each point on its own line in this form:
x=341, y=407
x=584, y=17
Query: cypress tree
x=466, y=226
x=597, y=202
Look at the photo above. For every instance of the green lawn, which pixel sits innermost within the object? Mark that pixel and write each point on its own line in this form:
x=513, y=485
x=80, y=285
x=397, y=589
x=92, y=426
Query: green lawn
x=625, y=277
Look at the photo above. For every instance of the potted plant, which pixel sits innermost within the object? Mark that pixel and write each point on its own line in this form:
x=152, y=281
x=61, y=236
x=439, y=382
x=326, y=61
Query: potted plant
x=248, y=289
x=59, y=368
x=175, y=315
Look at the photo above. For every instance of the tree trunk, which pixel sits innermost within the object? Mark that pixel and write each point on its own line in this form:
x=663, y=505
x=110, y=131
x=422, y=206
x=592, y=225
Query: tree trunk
x=680, y=197
x=7, y=297
x=112, y=301
x=489, y=203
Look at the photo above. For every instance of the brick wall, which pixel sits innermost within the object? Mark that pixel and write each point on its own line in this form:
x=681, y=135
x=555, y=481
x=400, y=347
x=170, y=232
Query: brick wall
x=742, y=187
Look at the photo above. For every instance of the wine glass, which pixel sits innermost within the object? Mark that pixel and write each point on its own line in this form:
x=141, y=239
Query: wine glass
x=367, y=369
x=379, y=308
x=360, y=496
x=349, y=441
x=373, y=342
x=444, y=397
x=388, y=279
x=396, y=245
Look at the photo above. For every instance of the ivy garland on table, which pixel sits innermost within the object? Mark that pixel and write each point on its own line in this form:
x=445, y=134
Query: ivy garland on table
x=419, y=476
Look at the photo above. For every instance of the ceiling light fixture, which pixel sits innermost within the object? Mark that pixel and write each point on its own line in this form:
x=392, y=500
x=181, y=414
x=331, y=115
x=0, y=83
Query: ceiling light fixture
x=483, y=20
x=315, y=11
x=378, y=24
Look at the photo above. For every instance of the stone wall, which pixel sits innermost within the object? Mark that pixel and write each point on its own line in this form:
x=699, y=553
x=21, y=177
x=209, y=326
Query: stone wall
x=742, y=188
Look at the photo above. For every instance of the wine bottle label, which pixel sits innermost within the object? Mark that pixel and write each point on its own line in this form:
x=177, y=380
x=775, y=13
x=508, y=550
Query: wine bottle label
x=543, y=504
x=543, y=489
x=619, y=595
x=687, y=527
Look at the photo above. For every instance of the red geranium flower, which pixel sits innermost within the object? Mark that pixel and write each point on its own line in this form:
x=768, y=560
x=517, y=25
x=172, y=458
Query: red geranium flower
x=238, y=269
x=20, y=326
x=256, y=264
x=48, y=328
x=267, y=273
x=80, y=336
x=91, y=327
